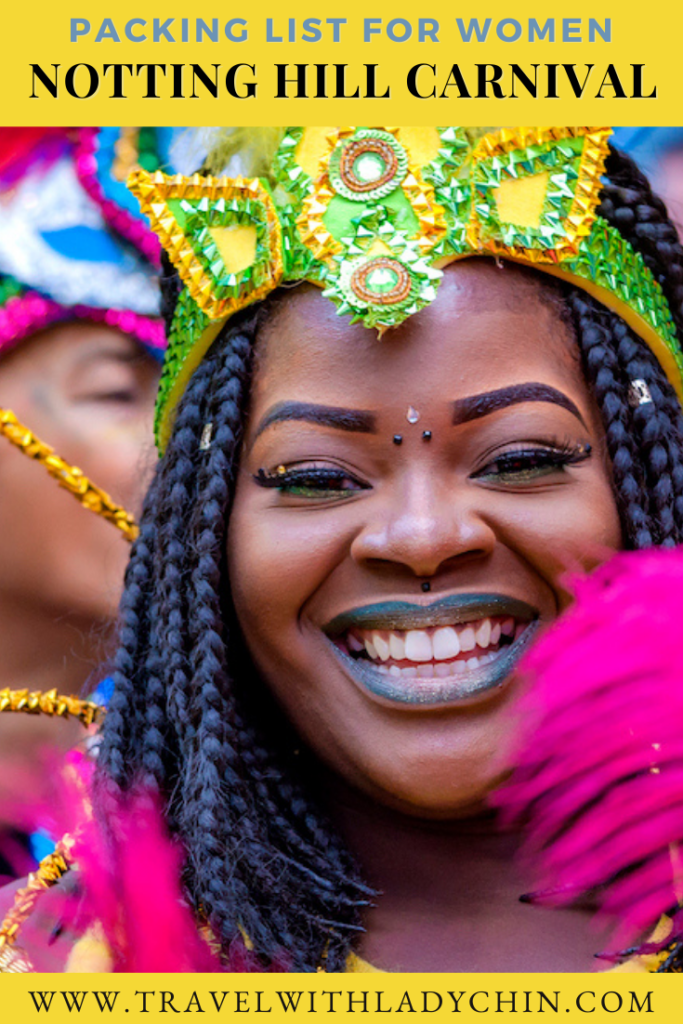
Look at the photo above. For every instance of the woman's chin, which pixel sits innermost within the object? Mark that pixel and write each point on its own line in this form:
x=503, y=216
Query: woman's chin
x=434, y=788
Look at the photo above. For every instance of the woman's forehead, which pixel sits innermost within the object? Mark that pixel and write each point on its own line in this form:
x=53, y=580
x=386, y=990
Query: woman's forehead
x=489, y=324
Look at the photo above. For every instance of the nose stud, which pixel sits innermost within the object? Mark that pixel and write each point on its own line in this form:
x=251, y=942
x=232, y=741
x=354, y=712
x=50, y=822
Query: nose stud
x=398, y=439
x=426, y=435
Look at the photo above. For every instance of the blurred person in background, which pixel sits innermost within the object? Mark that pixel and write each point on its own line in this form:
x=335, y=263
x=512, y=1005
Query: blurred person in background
x=80, y=351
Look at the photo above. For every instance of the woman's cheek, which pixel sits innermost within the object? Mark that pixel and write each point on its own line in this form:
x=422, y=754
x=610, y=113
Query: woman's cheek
x=282, y=556
x=575, y=530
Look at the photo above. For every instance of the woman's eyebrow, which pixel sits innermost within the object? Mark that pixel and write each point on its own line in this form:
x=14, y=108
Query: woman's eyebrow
x=119, y=355
x=473, y=408
x=324, y=415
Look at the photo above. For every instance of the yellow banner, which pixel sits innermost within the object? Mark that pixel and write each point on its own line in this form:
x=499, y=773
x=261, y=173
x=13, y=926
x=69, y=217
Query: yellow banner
x=276, y=998
x=402, y=63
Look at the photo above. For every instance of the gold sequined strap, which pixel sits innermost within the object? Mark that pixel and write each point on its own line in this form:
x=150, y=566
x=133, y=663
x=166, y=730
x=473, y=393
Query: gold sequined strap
x=50, y=702
x=49, y=871
x=69, y=477
x=14, y=960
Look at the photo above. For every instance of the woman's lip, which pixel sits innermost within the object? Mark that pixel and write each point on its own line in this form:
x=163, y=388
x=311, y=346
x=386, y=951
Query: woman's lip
x=462, y=689
x=447, y=611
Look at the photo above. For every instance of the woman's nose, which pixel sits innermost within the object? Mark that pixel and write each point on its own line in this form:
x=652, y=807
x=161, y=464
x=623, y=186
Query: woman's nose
x=424, y=526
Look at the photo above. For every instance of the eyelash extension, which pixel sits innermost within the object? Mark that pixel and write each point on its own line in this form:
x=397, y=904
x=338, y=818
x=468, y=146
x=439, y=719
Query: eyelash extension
x=324, y=479
x=529, y=460
x=312, y=479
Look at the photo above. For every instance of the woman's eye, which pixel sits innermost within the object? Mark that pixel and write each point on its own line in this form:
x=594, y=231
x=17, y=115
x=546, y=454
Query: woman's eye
x=530, y=464
x=108, y=381
x=121, y=396
x=311, y=482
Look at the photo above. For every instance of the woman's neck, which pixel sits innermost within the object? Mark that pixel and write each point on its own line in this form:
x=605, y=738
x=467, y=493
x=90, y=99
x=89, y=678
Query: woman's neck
x=392, y=846
x=449, y=895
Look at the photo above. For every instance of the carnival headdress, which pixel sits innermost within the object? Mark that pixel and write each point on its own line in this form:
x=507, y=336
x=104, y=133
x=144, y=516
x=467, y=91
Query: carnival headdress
x=372, y=215
x=73, y=245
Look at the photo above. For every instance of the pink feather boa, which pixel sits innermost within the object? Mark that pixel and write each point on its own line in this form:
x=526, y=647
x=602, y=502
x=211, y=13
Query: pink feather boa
x=598, y=785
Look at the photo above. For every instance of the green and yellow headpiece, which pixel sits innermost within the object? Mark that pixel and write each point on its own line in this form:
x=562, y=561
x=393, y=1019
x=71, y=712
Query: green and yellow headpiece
x=372, y=215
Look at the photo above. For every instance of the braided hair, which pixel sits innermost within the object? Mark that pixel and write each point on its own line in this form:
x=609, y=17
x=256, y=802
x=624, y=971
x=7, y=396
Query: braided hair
x=189, y=714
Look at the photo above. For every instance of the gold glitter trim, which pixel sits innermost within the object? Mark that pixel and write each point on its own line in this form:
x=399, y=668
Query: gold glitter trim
x=420, y=194
x=50, y=702
x=430, y=214
x=13, y=960
x=153, y=192
x=49, y=871
x=70, y=477
x=314, y=234
x=582, y=214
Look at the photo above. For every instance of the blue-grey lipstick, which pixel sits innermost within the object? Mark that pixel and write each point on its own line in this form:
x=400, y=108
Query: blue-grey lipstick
x=455, y=608
x=439, y=681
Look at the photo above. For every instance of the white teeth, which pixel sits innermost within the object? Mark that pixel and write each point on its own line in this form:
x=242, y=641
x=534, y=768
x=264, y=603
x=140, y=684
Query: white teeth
x=381, y=646
x=437, y=646
x=394, y=670
x=483, y=633
x=425, y=672
x=370, y=648
x=466, y=638
x=397, y=647
x=409, y=673
x=418, y=646
x=446, y=644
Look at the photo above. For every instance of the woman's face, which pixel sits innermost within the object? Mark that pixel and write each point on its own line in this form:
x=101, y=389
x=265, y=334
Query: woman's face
x=88, y=391
x=405, y=511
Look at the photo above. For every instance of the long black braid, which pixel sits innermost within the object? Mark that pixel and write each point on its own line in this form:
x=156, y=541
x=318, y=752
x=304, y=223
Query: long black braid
x=189, y=714
x=261, y=857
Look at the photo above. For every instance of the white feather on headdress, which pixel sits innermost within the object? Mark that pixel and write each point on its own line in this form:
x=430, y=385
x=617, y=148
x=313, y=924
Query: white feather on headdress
x=231, y=151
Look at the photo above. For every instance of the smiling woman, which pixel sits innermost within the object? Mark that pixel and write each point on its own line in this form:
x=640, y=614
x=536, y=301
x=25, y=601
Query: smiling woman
x=350, y=525
x=360, y=524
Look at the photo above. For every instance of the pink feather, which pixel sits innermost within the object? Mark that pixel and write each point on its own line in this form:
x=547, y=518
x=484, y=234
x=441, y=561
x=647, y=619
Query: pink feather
x=131, y=887
x=135, y=893
x=598, y=784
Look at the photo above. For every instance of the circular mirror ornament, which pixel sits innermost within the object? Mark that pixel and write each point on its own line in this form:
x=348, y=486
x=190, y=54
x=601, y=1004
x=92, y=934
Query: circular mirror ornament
x=367, y=166
x=381, y=281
